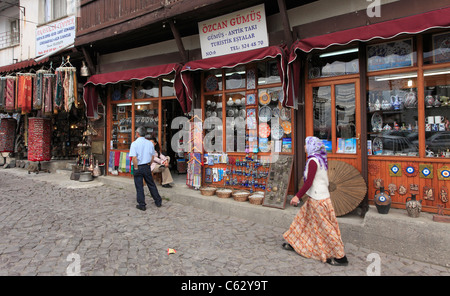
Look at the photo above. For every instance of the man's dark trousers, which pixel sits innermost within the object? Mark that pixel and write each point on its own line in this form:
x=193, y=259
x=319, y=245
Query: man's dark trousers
x=144, y=173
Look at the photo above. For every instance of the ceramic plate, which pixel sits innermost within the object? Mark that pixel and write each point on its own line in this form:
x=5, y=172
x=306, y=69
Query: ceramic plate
x=265, y=114
x=264, y=98
x=264, y=130
x=286, y=125
x=211, y=83
x=277, y=133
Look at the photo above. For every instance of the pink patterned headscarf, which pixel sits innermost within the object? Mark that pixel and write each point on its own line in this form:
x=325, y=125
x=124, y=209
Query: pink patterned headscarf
x=316, y=148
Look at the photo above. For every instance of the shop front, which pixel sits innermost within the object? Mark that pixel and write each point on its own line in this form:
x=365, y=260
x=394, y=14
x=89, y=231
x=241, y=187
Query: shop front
x=378, y=96
x=48, y=109
x=244, y=111
x=139, y=97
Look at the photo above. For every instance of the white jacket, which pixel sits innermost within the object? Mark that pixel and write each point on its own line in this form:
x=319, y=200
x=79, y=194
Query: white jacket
x=319, y=187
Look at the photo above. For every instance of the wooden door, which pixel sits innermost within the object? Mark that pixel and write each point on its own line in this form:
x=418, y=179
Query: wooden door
x=333, y=115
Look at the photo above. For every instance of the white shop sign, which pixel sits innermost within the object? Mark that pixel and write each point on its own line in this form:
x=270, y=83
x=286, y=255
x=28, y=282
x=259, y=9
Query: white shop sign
x=54, y=36
x=235, y=32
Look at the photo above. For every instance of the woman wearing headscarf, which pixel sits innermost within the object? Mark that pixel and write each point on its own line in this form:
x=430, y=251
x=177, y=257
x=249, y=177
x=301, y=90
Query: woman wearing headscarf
x=315, y=233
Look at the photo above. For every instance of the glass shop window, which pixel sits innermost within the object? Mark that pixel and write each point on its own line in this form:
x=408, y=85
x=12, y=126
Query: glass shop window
x=268, y=72
x=334, y=63
x=122, y=91
x=437, y=112
x=145, y=89
x=121, y=133
x=235, y=78
x=146, y=115
x=391, y=55
x=213, y=80
x=436, y=48
x=393, y=115
x=167, y=88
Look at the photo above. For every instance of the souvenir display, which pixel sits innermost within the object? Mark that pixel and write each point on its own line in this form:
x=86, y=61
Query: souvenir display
x=264, y=98
x=426, y=171
x=265, y=114
x=139, y=93
x=39, y=139
x=402, y=190
x=128, y=94
x=7, y=134
x=444, y=173
x=411, y=170
x=264, y=130
x=211, y=83
x=443, y=194
x=264, y=145
x=251, y=79
x=277, y=182
x=235, y=81
x=377, y=122
x=251, y=100
x=382, y=201
x=277, y=133
x=395, y=170
x=413, y=206
x=116, y=95
x=285, y=114
x=428, y=193
x=286, y=125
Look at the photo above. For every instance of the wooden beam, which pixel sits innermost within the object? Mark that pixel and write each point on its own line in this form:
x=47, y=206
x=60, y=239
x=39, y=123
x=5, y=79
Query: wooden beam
x=178, y=40
x=286, y=25
x=89, y=62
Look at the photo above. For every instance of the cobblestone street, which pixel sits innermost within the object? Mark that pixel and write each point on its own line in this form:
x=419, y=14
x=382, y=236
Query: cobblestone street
x=43, y=224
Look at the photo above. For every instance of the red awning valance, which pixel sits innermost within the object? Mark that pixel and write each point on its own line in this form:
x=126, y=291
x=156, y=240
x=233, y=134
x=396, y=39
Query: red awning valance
x=133, y=74
x=91, y=96
x=231, y=61
x=384, y=30
x=22, y=65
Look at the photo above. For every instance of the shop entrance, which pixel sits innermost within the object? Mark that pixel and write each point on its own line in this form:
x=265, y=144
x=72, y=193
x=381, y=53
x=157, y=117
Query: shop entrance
x=333, y=115
x=170, y=110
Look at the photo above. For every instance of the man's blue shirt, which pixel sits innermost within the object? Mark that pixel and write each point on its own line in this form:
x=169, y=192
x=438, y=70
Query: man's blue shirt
x=143, y=149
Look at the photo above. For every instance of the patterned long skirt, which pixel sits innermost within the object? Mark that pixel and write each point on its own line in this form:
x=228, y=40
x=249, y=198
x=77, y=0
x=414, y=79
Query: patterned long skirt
x=315, y=233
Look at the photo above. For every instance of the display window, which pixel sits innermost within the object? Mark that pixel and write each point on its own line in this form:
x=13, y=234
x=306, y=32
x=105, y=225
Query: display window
x=150, y=103
x=437, y=112
x=333, y=63
x=393, y=115
x=251, y=99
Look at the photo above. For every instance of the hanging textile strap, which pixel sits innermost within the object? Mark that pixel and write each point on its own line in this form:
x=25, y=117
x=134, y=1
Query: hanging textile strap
x=123, y=161
x=10, y=94
x=58, y=97
x=49, y=84
x=2, y=92
x=25, y=93
x=38, y=97
x=111, y=161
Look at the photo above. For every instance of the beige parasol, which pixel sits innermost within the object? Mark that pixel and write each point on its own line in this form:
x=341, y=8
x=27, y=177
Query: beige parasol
x=346, y=185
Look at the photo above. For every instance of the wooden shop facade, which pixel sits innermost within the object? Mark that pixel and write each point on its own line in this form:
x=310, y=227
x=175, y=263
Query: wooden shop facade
x=374, y=89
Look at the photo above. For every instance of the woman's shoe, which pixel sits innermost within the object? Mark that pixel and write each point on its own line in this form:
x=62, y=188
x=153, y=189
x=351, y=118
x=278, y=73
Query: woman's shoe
x=167, y=186
x=287, y=246
x=338, y=262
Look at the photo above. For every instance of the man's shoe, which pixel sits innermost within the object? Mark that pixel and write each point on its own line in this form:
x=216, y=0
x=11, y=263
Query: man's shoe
x=167, y=186
x=158, y=205
x=142, y=208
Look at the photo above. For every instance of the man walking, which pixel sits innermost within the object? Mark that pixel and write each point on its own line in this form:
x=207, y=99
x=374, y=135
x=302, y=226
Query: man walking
x=142, y=152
